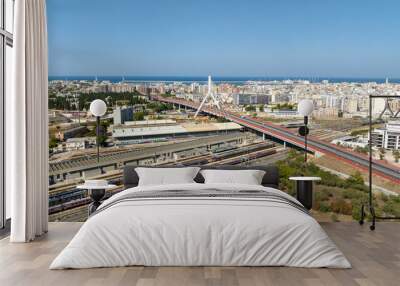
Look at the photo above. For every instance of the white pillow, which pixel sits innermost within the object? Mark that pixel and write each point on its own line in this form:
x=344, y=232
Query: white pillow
x=166, y=176
x=247, y=177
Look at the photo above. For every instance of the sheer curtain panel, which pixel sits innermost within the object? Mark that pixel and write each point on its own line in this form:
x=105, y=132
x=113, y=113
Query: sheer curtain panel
x=27, y=124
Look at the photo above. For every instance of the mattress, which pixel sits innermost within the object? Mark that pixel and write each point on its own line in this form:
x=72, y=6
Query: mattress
x=201, y=225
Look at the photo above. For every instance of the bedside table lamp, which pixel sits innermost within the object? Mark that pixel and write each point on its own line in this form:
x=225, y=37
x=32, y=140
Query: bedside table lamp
x=305, y=108
x=98, y=108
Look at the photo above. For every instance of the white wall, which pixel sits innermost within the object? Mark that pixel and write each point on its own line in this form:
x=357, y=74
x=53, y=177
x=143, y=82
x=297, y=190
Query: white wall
x=9, y=61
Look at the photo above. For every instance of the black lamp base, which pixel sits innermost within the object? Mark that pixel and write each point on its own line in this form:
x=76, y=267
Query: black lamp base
x=96, y=196
x=305, y=193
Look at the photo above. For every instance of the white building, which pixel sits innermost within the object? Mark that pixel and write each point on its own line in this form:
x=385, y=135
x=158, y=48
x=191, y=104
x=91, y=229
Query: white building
x=74, y=144
x=121, y=115
x=153, y=129
x=387, y=137
x=351, y=141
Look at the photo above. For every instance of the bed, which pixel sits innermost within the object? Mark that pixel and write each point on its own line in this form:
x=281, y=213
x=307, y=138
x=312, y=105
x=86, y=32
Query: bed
x=201, y=224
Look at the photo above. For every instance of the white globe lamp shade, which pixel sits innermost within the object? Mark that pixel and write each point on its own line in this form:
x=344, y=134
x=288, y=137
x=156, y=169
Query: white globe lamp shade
x=305, y=107
x=98, y=107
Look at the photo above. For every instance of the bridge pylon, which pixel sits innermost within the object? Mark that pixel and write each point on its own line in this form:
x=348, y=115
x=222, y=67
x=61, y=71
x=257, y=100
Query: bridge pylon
x=210, y=94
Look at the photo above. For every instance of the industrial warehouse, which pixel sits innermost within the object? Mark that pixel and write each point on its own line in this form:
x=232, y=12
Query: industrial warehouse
x=167, y=128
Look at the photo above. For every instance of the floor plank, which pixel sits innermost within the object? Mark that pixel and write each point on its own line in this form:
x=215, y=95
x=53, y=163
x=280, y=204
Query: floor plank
x=375, y=257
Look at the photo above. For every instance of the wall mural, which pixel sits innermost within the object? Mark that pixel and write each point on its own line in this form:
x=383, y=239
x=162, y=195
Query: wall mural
x=225, y=121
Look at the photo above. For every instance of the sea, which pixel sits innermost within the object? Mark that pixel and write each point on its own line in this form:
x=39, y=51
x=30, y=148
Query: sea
x=219, y=79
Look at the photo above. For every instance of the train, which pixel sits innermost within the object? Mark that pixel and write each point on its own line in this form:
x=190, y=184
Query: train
x=252, y=156
x=64, y=197
x=223, y=148
x=73, y=198
x=243, y=150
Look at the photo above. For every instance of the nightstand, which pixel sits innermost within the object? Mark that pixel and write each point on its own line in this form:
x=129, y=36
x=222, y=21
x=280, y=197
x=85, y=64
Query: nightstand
x=304, y=190
x=97, y=190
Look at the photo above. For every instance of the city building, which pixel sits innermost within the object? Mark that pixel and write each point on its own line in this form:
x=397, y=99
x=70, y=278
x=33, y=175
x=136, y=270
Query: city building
x=73, y=144
x=387, y=137
x=121, y=115
x=156, y=129
x=248, y=99
x=351, y=141
x=71, y=133
x=282, y=113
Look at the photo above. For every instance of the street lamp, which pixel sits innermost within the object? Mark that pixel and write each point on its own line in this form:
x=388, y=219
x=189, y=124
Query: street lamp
x=98, y=108
x=305, y=108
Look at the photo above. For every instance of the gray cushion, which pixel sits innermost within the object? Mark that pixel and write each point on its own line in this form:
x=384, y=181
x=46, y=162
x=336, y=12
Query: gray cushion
x=270, y=179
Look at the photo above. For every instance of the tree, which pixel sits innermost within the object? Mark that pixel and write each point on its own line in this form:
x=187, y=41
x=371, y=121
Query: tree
x=53, y=142
x=138, y=116
x=396, y=155
x=159, y=107
x=261, y=108
x=356, y=181
x=363, y=150
x=382, y=153
x=249, y=108
x=103, y=132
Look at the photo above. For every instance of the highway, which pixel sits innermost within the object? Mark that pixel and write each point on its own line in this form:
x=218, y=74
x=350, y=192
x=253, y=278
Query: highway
x=384, y=170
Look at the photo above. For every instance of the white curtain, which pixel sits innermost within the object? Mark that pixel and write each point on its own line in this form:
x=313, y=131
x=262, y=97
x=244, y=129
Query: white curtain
x=27, y=123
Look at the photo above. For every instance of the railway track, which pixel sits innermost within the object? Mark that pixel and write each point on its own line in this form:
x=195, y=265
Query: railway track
x=243, y=158
x=79, y=198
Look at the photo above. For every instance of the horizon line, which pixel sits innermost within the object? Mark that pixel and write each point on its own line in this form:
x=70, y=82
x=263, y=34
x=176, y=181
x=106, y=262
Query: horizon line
x=234, y=76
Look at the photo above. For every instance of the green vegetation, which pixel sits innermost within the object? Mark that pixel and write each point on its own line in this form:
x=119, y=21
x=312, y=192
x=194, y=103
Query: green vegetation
x=284, y=106
x=362, y=150
x=112, y=99
x=84, y=100
x=358, y=132
x=222, y=120
x=250, y=108
x=168, y=94
x=334, y=194
x=382, y=153
x=396, y=155
x=138, y=116
x=103, y=132
x=104, y=124
x=53, y=142
x=159, y=107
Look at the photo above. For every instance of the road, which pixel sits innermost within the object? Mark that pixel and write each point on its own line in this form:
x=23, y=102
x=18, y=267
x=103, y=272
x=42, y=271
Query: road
x=358, y=160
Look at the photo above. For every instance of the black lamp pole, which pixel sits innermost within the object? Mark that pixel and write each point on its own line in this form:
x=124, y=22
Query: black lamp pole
x=305, y=138
x=370, y=153
x=98, y=137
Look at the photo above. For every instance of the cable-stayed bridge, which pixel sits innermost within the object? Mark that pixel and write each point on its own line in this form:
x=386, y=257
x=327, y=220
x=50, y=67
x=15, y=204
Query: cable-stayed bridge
x=382, y=169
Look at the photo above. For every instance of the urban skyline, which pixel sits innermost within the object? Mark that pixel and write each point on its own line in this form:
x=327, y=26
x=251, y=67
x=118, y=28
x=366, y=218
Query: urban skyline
x=159, y=119
x=149, y=62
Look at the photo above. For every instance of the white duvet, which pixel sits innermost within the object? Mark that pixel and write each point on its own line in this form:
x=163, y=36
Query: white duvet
x=193, y=231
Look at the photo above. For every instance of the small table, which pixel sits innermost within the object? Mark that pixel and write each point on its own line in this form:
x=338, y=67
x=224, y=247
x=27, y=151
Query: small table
x=96, y=193
x=304, y=190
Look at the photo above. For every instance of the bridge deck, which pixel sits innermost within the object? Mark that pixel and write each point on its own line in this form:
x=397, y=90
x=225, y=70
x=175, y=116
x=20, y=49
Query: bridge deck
x=387, y=171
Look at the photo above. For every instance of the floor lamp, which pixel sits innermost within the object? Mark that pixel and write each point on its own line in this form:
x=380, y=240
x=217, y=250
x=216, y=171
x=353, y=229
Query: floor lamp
x=305, y=108
x=98, y=108
x=370, y=205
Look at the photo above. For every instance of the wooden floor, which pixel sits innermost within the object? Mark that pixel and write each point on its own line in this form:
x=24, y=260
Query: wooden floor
x=375, y=257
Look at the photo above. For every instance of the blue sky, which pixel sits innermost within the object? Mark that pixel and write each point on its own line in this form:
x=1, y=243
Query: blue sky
x=332, y=38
